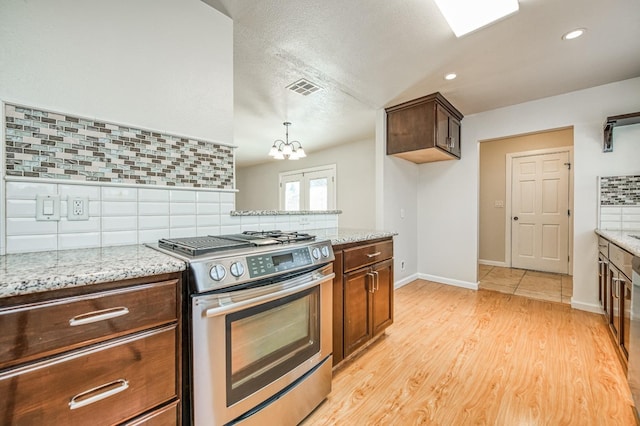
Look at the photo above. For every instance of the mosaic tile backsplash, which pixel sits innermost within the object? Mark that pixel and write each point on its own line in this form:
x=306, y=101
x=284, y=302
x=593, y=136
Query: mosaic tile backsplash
x=620, y=190
x=44, y=144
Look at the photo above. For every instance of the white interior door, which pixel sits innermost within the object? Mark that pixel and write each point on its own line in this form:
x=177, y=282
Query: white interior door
x=540, y=212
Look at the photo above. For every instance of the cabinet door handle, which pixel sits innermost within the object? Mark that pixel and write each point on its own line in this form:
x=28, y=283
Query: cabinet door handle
x=378, y=253
x=377, y=281
x=96, y=316
x=111, y=389
x=370, y=284
x=603, y=245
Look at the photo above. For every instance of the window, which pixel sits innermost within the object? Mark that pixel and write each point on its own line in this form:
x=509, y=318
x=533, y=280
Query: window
x=308, y=189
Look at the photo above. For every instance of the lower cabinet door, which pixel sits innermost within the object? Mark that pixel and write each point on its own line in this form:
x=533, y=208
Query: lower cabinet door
x=382, y=297
x=626, y=315
x=102, y=385
x=357, y=329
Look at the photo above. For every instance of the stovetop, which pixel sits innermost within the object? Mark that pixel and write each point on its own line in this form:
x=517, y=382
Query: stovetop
x=219, y=262
x=197, y=246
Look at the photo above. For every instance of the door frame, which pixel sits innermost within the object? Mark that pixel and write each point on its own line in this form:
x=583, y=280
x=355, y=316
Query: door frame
x=507, y=210
x=331, y=167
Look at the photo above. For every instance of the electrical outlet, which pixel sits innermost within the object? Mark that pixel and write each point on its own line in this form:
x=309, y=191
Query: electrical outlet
x=78, y=208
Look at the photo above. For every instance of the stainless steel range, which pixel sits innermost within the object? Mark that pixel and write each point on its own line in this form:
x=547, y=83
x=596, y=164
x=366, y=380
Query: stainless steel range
x=259, y=326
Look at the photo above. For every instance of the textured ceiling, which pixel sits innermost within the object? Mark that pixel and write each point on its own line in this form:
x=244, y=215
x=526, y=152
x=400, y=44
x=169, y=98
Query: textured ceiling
x=369, y=54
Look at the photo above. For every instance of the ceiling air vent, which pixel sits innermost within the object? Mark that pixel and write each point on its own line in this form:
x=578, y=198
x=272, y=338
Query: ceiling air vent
x=304, y=87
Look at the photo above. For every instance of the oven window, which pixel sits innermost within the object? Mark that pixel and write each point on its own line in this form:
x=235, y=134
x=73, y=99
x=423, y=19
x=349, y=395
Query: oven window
x=265, y=342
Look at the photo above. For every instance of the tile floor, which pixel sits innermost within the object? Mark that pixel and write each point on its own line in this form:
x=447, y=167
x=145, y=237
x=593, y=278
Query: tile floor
x=533, y=284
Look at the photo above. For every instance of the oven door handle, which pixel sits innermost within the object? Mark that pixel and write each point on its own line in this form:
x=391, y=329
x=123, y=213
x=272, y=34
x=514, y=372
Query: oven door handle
x=237, y=306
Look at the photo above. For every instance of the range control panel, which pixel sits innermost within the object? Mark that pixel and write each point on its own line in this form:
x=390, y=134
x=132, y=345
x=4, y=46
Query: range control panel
x=268, y=264
x=226, y=271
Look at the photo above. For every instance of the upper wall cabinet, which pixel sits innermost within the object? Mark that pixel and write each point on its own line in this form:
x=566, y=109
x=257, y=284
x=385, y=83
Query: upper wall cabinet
x=424, y=130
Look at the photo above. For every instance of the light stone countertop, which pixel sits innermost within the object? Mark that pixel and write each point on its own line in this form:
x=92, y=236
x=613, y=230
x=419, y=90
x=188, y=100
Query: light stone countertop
x=27, y=273
x=281, y=212
x=623, y=239
x=52, y=270
x=349, y=235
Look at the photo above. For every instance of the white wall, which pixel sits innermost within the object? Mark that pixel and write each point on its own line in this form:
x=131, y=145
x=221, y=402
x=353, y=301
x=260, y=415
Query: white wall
x=397, y=205
x=448, y=191
x=165, y=65
x=355, y=174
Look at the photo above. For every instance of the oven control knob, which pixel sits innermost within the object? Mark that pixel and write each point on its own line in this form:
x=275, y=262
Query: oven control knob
x=325, y=251
x=237, y=269
x=217, y=272
x=315, y=253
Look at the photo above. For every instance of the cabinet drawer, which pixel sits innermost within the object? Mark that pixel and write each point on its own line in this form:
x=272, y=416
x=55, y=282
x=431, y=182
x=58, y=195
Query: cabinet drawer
x=49, y=328
x=621, y=258
x=369, y=254
x=103, y=385
x=603, y=246
x=165, y=416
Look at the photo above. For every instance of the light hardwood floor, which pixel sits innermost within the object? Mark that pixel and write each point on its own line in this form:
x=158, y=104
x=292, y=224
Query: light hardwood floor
x=461, y=357
x=533, y=284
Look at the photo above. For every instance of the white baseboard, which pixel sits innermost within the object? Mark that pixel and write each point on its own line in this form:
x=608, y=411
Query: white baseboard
x=405, y=281
x=589, y=307
x=449, y=281
x=493, y=263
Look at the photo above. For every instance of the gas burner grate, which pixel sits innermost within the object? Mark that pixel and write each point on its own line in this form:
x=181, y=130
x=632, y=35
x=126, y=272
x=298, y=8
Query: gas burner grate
x=282, y=236
x=195, y=246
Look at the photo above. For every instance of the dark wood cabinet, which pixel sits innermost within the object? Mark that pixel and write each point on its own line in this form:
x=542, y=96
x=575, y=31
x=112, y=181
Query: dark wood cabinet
x=108, y=354
x=614, y=291
x=424, y=130
x=363, y=295
x=603, y=283
x=357, y=309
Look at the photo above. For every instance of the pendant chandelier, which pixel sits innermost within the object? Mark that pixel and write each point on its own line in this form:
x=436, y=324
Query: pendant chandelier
x=285, y=150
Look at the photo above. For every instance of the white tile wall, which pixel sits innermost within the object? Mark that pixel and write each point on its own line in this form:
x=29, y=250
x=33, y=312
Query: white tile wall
x=128, y=215
x=617, y=218
x=631, y=218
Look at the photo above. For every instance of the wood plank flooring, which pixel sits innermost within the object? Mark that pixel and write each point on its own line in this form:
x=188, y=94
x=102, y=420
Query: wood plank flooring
x=458, y=357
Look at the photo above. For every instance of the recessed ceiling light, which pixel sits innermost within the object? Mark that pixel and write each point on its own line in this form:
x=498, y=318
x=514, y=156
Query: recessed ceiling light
x=464, y=16
x=574, y=34
x=450, y=76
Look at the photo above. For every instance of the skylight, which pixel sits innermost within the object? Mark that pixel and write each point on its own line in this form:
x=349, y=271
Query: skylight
x=464, y=16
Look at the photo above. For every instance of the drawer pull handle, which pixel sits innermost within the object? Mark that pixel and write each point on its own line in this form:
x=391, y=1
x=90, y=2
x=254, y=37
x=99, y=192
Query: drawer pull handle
x=378, y=253
x=96, y=316
x=112, y=388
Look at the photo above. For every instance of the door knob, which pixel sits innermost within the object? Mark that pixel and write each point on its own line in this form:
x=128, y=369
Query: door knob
x=515, y=218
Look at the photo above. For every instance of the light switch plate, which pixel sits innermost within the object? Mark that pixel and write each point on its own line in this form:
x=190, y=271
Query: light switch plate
x=47, y=207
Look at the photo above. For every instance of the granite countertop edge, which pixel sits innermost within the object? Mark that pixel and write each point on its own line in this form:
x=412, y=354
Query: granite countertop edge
x=282, y=212
x=623, y=239
x=339, y=236
x=37, y=272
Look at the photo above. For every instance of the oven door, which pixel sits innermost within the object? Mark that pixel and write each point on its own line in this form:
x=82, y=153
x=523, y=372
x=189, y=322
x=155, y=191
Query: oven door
x=249, y=345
